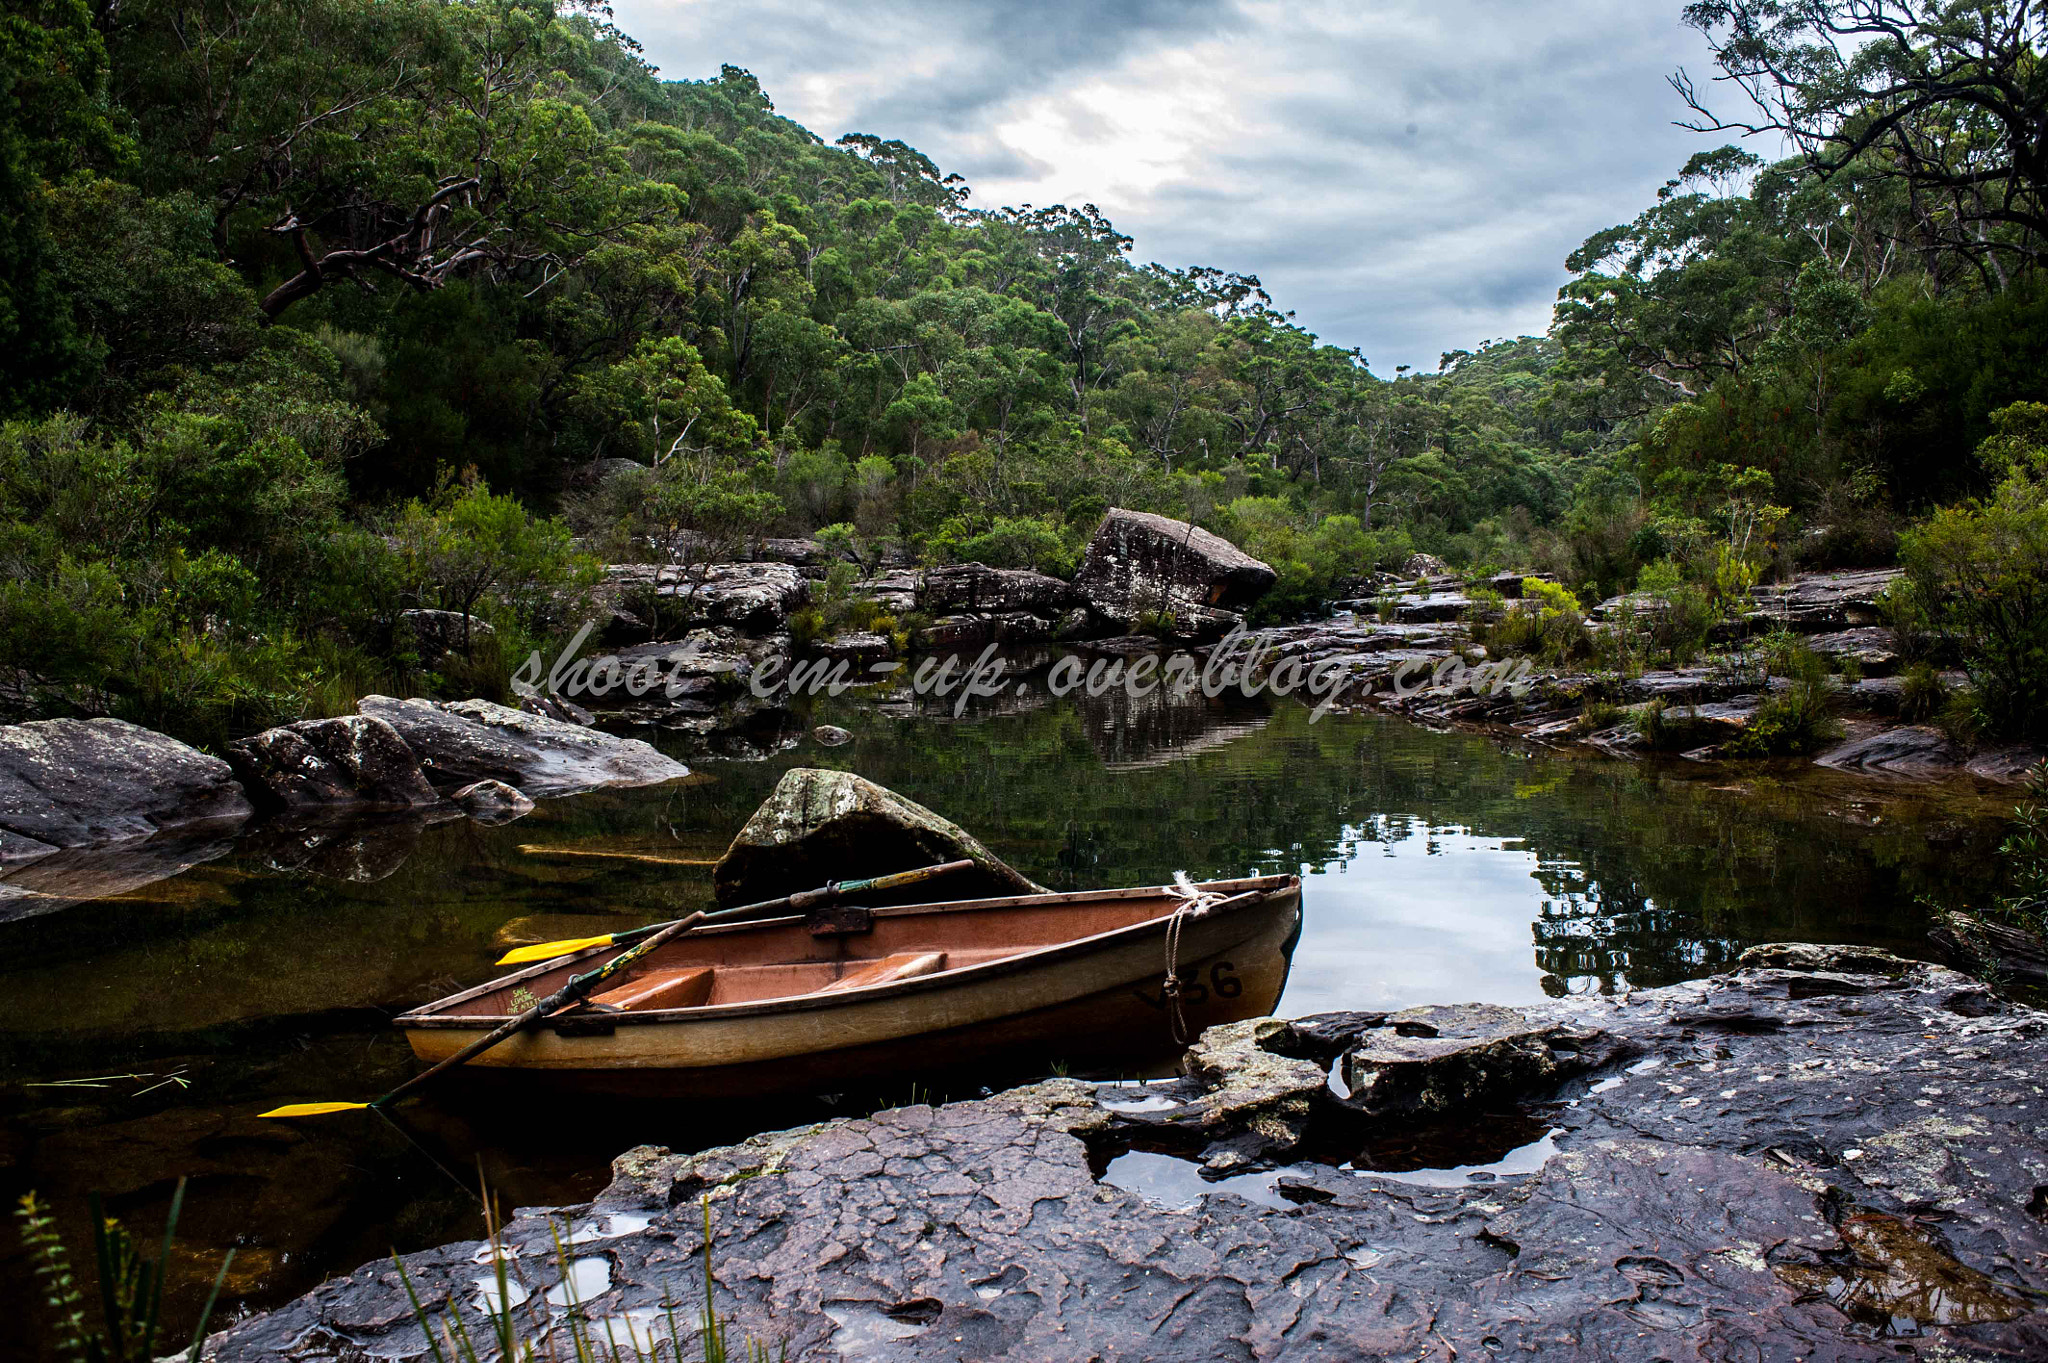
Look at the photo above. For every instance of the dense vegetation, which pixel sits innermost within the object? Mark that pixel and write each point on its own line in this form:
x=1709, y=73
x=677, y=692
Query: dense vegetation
x=311, y=312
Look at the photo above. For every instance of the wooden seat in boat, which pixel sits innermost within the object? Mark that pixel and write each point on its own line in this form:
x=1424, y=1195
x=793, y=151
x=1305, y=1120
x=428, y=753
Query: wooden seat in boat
x=904, y=965
x=681, y=987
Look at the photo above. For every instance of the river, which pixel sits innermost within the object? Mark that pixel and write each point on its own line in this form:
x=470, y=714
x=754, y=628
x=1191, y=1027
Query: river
x=142, y=1033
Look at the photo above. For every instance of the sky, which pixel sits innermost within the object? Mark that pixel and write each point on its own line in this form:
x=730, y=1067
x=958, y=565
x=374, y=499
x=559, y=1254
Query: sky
x=1407, y=176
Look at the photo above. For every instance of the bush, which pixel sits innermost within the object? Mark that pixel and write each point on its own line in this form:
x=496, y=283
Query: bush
x=1549, y=625
x=1981, y=570
x=1922, y=694
x=1798, y=719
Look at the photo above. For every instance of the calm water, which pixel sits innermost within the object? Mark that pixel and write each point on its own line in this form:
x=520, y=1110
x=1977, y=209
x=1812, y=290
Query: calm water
x=1440, y=868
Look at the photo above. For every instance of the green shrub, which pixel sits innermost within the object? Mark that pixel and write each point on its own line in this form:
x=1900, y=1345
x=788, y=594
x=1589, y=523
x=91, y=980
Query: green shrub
x=1981, y=570
x=1922, y=694
x=1790, y=723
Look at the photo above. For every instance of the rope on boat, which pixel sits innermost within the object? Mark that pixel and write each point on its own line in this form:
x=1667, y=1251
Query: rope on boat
x=1194, y=902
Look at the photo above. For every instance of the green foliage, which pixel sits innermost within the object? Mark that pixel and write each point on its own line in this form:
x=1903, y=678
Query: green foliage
x=1981, y=571
x=1793, y=721
x=475, y=546
x=131, y=1286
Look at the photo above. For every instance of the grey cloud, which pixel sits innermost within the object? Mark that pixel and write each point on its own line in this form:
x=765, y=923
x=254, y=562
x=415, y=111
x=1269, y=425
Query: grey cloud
x=1533, y=126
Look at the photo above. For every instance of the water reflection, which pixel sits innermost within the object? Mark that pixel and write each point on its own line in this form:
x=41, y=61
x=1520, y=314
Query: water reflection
x=1440, y=868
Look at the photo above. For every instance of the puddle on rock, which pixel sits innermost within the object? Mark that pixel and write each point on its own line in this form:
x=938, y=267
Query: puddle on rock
x=1895, y=1277
x=1177, y=1184
x=633, y=1332
x=612, y=1227
x=1523, y=1159
x=488, y=1300
x=864, y=1325
x=1134, y=1098
x=589, y=1278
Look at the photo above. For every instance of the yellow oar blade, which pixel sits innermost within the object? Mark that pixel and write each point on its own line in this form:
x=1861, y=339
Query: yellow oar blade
x=312, y=1109
x=547, y=951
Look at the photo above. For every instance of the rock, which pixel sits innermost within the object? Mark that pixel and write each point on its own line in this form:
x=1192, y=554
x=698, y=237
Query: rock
x=1139, y=563
x=439, y=632
x=1858, y=1169
x=754, y=598
x=1873, y=648
x=855, y=647
x=1433, y=1062
x=464, y=741
x=971, y=587
x=552, y=706
x=353, y=761
x=1424, y=608
x=2012, y=765
x=894, y=590
x=831, y=735
x=1423, y=565
x=1817, y=602
x=493, y=802
x=85, y=782
x=1998, y=951
x=1910, y=750
x=818, y=826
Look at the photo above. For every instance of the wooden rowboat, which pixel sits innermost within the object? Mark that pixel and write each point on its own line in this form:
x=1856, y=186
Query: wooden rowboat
x=846, y=994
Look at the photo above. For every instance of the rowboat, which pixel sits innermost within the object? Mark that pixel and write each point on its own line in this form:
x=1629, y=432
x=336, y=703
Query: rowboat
x=848, y=993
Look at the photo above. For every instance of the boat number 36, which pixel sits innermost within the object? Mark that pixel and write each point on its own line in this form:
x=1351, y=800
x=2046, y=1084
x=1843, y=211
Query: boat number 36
x=1223, y=982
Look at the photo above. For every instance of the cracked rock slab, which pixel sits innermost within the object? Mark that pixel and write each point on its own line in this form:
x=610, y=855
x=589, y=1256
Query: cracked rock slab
x=1859, y=1180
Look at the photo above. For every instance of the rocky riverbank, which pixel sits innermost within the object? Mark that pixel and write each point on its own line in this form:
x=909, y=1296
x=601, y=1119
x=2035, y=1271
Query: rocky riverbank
x=1829, y=1153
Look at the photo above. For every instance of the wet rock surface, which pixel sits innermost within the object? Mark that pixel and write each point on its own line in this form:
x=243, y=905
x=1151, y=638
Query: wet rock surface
x=1826, y=1154
x=88, y=782
x=817, y=826
x=353, y=761
x=464, y=741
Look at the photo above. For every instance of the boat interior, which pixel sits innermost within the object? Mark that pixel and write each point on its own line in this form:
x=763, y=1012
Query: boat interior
x=838, y=951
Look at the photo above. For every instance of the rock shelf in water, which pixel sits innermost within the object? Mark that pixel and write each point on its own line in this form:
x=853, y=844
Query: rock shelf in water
x=1829, y=1153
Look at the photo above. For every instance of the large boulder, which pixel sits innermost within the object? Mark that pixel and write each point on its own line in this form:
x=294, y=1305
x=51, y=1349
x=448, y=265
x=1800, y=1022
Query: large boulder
x=1910, y=750
x=818, y=826
x=972, y=587
x=755, y=598
x=463, y=741
x=354, y=761
x=84, y=782
x=1138, y=563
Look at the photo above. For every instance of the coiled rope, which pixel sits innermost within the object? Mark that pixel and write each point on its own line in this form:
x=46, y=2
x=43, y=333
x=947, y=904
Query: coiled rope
x=1194, y=902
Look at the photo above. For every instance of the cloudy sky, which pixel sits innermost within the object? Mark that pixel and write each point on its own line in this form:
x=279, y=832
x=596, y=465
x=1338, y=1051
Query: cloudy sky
x=1407, y=175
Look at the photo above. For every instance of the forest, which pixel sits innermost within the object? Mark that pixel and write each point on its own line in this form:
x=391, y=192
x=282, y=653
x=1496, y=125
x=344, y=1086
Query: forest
x=315, y=311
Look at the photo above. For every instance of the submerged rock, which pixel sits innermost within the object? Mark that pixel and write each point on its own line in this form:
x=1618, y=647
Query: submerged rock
x=354, y=761
x=831, y=735
x=1139, y=564
x=818, y=826
x=1794, y=1161
x=86, y=782
x=493, y=802
x=459, y=742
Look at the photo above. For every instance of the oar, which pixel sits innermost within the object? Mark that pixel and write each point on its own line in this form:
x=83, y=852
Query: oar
x=580, y=985
x=810, y=899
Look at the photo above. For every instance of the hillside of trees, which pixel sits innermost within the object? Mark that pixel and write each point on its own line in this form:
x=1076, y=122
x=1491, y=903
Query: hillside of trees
x=311, y=312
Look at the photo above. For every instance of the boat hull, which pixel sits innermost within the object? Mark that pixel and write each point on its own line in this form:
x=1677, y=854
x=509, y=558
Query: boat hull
x=1092, y=1005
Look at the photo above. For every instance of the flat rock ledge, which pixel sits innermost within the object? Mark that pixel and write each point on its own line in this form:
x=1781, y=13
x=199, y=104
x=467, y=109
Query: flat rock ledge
x=1830, y=1153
